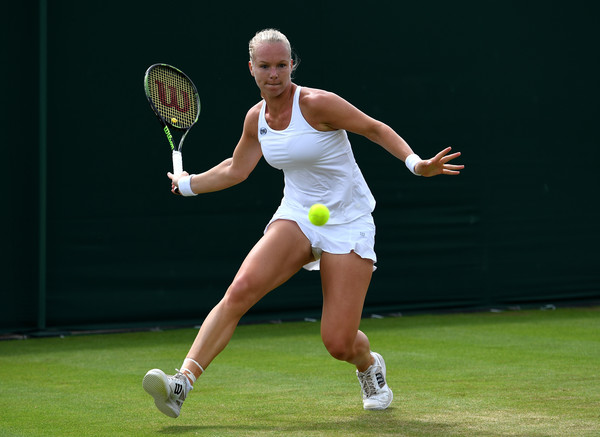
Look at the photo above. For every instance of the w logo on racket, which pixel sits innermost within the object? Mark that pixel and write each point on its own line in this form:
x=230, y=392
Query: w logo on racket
x=173, y=101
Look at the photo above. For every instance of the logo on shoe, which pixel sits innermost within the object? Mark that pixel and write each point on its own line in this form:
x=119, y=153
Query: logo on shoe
x=380, y=379
x=178, y=389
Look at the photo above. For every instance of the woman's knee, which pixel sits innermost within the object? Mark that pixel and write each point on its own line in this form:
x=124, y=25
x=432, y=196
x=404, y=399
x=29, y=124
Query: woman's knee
x=241, y=294
x=339, y=347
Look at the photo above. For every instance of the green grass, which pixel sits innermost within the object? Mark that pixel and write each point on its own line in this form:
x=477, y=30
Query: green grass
x=525, y=373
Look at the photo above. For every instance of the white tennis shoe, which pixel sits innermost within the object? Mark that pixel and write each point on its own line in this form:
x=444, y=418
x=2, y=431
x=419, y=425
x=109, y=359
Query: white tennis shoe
x=376, y=393
x=168, y=391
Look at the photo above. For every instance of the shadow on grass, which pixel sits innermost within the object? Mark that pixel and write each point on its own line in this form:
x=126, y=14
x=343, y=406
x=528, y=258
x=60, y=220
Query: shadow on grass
x=381, y=423
x=183, y=429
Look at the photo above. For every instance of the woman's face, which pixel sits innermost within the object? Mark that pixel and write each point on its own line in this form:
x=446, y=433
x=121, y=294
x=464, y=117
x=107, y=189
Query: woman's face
x=271, y=68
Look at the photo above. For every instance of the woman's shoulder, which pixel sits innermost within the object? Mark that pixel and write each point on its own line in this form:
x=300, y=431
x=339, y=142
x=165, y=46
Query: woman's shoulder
x=254, y=111
x=315, y=96
x=251, y=119
x=319, y=107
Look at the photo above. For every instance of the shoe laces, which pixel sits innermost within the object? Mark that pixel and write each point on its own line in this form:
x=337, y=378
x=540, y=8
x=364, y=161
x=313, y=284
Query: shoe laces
x=368, y=382
x=186, y=386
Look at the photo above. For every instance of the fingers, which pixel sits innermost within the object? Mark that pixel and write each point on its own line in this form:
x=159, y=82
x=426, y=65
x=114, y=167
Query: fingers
x=441, y=154
x=444, y=158
x=450, y=172
x=173, y=177
x=452, y=169
x=447, y=158
x=174, y=187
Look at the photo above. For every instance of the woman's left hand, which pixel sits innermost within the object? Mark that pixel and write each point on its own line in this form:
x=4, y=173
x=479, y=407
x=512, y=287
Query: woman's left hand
x=439, y=164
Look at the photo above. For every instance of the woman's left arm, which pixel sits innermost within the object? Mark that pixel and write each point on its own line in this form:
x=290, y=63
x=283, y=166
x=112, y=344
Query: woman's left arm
x=330, y=112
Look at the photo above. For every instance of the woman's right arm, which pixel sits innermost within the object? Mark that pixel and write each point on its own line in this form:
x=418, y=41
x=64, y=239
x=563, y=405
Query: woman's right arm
x=233, y=170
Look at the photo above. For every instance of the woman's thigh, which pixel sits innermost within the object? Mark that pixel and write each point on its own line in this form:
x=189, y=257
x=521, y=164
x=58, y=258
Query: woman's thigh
x=345, y=280
x=276, y=257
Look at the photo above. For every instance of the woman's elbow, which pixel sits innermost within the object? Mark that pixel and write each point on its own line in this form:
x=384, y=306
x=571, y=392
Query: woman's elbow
x=237, y=175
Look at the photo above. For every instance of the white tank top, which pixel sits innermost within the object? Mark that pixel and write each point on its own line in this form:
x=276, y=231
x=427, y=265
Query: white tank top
x=318, y=167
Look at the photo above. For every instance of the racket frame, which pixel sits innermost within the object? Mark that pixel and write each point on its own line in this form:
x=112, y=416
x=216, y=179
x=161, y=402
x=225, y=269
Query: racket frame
x=166, y=123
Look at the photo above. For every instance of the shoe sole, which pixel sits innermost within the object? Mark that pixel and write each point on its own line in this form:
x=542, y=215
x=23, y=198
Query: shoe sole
x=383, y=369
x=156, y=385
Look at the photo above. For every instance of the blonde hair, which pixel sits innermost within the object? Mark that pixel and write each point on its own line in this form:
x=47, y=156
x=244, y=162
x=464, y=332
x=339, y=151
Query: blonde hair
x=271, y=36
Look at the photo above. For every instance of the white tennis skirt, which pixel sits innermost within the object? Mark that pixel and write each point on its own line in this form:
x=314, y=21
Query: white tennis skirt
x=356, y=236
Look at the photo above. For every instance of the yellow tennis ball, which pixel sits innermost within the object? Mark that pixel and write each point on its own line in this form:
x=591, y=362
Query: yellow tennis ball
x=318, y=214
x=173, y=120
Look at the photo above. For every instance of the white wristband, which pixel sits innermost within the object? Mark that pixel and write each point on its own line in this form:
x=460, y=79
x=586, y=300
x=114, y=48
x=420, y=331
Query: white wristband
x=185, y=186
x=411, y=162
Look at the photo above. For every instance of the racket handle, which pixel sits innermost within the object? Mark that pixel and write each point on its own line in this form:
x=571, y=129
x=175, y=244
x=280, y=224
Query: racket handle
x=177, y=162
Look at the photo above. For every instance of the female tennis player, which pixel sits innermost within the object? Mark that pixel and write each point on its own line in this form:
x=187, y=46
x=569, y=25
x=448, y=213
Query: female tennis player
x=303, y=132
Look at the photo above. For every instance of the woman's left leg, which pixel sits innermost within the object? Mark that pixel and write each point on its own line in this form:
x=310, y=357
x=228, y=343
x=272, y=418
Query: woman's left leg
x=345, y=279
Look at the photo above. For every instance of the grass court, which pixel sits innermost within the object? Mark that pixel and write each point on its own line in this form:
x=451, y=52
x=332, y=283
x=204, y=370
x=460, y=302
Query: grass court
x=517, y=373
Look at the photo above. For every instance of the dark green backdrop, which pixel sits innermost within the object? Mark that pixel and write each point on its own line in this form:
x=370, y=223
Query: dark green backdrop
x=513, y=85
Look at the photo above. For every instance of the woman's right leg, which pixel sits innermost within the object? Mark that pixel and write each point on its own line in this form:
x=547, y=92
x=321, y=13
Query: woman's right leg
x=277, y=256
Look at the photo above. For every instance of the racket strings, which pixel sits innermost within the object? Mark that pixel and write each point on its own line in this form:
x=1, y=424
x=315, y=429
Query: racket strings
x=173, y=95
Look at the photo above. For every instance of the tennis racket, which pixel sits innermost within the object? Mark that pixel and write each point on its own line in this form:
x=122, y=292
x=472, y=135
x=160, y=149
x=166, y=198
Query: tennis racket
x=174, y=99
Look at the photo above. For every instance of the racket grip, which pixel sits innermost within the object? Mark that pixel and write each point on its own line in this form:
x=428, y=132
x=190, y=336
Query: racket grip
x=177, y=162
